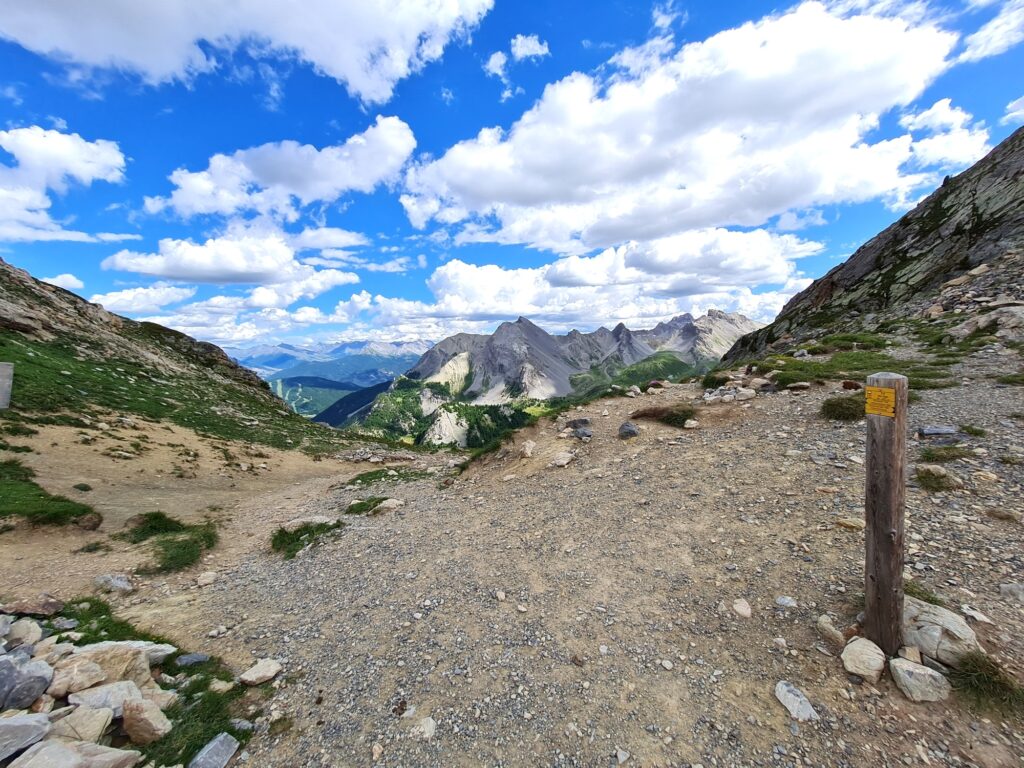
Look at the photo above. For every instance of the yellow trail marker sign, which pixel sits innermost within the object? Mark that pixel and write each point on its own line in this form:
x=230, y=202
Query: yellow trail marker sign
x=880, y=401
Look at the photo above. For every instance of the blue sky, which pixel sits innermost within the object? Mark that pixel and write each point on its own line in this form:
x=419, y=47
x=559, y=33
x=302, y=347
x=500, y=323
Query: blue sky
x=395, y=170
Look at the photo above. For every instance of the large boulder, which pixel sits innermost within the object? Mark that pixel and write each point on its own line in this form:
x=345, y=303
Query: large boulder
x=918, y=682
x=937, y=632
x=109, y=696
x=144, y=722
x=156, y=653
x=75, y=754
x=863, y=658
x=84, y=724
x=73, y=674
x=22, y=681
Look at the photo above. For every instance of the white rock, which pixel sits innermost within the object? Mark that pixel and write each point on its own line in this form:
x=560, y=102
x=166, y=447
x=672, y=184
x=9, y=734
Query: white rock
x=918, y=682
x=261, y=672
x=425, y=729
x=109, y=696
x=84, y=724
x=562, y=459
x=667, y=664
x=741, y=607
x=206, y=578
x=75, y=754
x=793, y=699
x=863, y=658
x=156, y=653
x=937, y=632
x=389, y=505
x=526, y=451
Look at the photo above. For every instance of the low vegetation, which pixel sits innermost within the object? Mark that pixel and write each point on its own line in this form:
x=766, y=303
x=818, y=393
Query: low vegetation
x=844, y=407
x=176, y=546
x=944, y=453
x=933, y=482
x=856, y=365
x=673, y=415
x=366, y=506
x=983, y=681
x=290, y=543
x=921, y=592
x=20, y=496
x=974, y=431
x=1015, y=379
x=397, y=475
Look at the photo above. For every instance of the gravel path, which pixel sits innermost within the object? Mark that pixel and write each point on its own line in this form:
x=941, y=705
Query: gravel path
x=581, y=615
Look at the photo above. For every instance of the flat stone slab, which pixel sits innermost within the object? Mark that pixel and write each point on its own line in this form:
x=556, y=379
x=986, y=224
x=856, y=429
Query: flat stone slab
x=21, y=731
x=918, y=682
x=794, y=700
x=217, y=753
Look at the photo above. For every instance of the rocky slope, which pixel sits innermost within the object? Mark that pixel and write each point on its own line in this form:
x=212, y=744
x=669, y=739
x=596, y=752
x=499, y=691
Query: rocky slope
x=925, y=265
x=520, y=359
x=75, y=358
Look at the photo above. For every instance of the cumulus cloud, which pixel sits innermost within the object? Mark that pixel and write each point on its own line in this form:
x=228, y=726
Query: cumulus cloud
x=729, y=131
x=951, y=140
x=66, y=280
x=528, y=47
x=1014, y=112
x=997, y=35
x=270, y=178
x=49, y=161
x=148, y=299
x=495, y=64
x=367, y=46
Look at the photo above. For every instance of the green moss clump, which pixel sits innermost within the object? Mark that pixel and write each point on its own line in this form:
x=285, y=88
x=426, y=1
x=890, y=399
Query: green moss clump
x=844, y=408
x=673, y=415
x=290, y=543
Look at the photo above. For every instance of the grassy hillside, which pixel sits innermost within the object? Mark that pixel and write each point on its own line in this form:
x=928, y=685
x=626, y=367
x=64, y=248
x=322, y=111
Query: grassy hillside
x=310, y=395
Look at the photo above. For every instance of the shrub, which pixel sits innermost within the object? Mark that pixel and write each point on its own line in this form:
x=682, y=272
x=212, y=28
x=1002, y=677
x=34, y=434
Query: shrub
x=177, y=551
x=290, y=543
x=980, y=678
x=673, y=415
x=844, y=408
x=714, y=380
x=944, y=453
x=970, y=429
x=151, y=524
x=364, y=507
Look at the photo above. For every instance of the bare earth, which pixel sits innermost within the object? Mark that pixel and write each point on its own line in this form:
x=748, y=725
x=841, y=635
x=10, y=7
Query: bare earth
x=614, y=640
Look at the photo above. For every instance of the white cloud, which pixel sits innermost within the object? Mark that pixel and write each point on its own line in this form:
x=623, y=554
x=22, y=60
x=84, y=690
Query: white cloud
x=368, y=46
x=268, y=179
x=495, y=65
x=792, y=221
x=1014, y=112
x=338, y=258
x=148, y=299
x=528, y=47
x=66, y=280
x=48, y=160
x=997, y=35
x=327, y=237
x=753, y=122
x=11, y=94
x=952, y=140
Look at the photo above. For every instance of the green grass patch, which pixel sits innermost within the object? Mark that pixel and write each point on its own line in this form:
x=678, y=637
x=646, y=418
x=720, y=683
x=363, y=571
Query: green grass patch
x=673, y=415
x=97, y=622
x=402, y=475
x=290, y=543
x=921, y=592
x=934, y=483
x=176, y=546
x=178, y=551
x=5, y=446
x=18, y=430
x=93, y=547
x=843, y=408
x=981, y=679
x=19, y=495
x=1016, y=379
x=365, y=507
x=974, y=431
x=1011, y=460
x=943, y=453
x=856, y=365
x=151, y=524
x=714, y=380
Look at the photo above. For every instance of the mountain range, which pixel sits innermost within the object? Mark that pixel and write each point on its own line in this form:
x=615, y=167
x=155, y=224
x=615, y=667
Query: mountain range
x=520, y=359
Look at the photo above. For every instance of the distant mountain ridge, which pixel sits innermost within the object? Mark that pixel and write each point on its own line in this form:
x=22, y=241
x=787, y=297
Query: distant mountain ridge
x=520, y=359
x=270, y=360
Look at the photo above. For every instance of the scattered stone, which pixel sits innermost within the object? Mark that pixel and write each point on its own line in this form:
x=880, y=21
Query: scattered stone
x=144, y=722
x=526, y=450
x=76, y=754
x=798, y=386
x=425, y=729
x=621, y=756
x=22, y=681
x=578, y=423
x=829, y=633
x=562, y=459
x=794, y=700
x=667, y=664
x=115, y=582
x=21, y=731
x=109, y=696
x=918, y=682
x=43, y=605
x=74, y=674
x=206, y=578
x=938, y=632
x=910, y=653
x=852, y=385
x=629, y=430
x=389, y=505
x=936, y=431
x=1013, y=591
x=741, y=608
x=261, y=672
x=851, y=523
x=863, y=658
x=24, y=632
x=974, y=613
x=785, y=602
x=217, y=753
x=801, y=353
x=221, y=686
x=377, y=752
x=191, y=659
x=294, y=524
x=84, y=724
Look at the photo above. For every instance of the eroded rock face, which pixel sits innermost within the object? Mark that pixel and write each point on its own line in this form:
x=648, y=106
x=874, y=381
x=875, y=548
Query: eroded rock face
x=937, y=632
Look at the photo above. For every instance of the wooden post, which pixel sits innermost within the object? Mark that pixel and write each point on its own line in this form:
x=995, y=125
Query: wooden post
x=885, y=465
x=6, y=383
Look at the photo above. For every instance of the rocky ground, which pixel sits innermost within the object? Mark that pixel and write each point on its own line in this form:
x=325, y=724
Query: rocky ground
x=524, y=613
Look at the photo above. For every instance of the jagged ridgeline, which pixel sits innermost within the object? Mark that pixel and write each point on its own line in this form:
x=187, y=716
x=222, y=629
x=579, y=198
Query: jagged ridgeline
x=73, y=359
x=470, y=389
x=956, y=257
